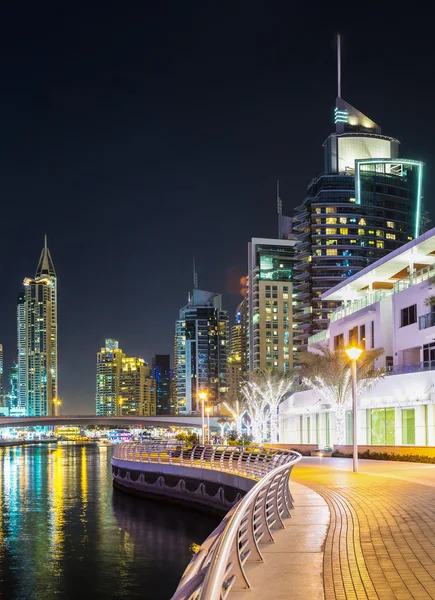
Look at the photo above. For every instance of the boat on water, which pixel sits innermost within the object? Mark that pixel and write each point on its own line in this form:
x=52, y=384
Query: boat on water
x=105, y=442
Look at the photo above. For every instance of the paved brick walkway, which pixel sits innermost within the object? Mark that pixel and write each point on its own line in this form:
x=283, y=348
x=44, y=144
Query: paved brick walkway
x=381, y=540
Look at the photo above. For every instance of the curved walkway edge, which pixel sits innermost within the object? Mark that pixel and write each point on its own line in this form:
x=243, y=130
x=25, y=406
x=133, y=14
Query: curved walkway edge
x=381, y=541
x=293, y=565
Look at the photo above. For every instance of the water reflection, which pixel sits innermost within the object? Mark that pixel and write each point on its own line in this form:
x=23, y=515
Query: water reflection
x=64, y=532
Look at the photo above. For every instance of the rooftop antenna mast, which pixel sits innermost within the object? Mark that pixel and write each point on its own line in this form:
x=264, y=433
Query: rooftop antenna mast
x=195, y=276
x=338, y=65
x=278, y=208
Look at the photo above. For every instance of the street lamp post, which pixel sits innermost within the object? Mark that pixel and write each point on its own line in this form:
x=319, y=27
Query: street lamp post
x=203, y=397
x=208, y=411
x=354, y=353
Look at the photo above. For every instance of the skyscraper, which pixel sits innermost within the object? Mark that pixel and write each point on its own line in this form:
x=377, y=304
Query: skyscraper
x=163, y=375
x=13, y=386
x=2, y=392
x=37, y=339
x=109, y=363
x=201, y=351
x=365, y=204
x=124, y=384
x=137, y=389
x=237, y=358
x=270, y=306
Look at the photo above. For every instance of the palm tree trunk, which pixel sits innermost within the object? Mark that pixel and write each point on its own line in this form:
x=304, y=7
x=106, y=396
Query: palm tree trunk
x=340, y=425
x=273, y=425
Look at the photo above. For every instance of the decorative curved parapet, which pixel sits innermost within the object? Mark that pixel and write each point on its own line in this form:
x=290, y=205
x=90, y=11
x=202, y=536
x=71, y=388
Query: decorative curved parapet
x=263, y=475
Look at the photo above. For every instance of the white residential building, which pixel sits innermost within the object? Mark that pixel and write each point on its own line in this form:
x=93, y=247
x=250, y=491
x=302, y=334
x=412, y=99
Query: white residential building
x=384, y=306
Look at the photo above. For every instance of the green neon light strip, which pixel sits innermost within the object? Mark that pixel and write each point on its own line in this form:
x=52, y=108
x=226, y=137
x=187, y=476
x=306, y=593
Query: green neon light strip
x=416, y=163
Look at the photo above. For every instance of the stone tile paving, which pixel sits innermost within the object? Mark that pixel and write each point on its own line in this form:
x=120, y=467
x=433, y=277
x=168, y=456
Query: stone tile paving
x=381, y=539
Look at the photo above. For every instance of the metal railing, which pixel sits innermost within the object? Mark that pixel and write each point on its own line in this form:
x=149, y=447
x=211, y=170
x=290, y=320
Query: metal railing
x=427, y=365
x=427, y=320
x=220, y=562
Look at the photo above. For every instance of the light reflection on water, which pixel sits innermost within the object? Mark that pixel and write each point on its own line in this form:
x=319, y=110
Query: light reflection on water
x=65, y=533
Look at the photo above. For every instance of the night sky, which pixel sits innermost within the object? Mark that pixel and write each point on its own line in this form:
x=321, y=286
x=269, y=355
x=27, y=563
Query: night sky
x=140, y=134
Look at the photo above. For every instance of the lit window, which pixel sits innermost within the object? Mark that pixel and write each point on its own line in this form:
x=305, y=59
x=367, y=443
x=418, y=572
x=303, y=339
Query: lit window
x=331, y=220
x=351, y=199
x=344, y=231
x=379, y=244
x=331, y=252
x=353, y=241
x=285, y=296
x=361, y=232
x=379, y=233
x=390, y=236
x=371, y=232
x=331, y=242
x=343, y=220
x=390, y=224
x=330, y=231
x=409, y=237
x=318, y=221
x=318, y=211
x=371, y=242
x=362, y=222
x=330, y=210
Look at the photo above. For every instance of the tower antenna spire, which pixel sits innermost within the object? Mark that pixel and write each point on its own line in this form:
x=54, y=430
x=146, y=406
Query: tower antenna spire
x=195, y=276
x=338, y=65
x=45, y=241
x=278, y=208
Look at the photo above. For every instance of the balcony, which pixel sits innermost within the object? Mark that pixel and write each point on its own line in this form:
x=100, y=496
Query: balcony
x=357, y=305
x=319, y=337
x=427, y=320
x=427, y=365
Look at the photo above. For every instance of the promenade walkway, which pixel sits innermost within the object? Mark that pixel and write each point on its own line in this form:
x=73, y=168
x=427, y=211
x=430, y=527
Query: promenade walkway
x=381, y=539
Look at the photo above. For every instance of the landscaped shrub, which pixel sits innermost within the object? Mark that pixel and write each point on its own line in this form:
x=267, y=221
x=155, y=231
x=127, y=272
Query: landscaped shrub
x=417, y=458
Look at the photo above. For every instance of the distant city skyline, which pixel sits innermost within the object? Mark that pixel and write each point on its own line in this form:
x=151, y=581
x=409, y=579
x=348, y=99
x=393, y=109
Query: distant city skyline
x=150, y=147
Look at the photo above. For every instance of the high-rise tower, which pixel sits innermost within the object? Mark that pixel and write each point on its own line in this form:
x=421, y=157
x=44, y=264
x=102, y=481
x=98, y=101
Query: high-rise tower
x=201, y=349
x=2, y=391
x=365, y=204
x=37, y=339
x=164, y=375
x=109, y=364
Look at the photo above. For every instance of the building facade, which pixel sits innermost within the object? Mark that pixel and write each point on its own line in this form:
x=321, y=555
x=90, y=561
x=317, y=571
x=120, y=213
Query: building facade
x=37, y=339
x=270, y=304
x=365, y=204
x=163, y=375
x=384, y=305
x=201, y=352
x=124, y=384
x=109, y=364
x=238, y=355
x=2, y=389
x=136, y=389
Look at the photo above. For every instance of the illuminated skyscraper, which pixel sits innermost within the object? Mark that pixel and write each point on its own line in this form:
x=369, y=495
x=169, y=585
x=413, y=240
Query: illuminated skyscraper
x=137, y=389
x=109, y=364
x=2, y=392
x=270, y=308
x=237, y=359
x=163, y=375
x=365, y=204
x=37, y=339
x=201, y=347
x=13, y=386
x=124, y=384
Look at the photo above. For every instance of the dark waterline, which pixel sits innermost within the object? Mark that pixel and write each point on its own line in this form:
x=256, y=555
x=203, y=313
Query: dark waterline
x=66, y=534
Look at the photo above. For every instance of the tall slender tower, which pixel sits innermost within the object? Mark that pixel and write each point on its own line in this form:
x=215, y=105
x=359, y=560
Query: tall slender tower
x=1, y=377
x=37, y=339
x=366, y=203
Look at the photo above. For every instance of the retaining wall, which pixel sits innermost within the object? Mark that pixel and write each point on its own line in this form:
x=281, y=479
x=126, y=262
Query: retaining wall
x=213, y=491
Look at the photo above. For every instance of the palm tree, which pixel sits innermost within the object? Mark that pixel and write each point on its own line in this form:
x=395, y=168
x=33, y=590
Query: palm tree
x=329, y=372
x=237, y=408
x=430, y=300
x=223, y=422
x=264, y=391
